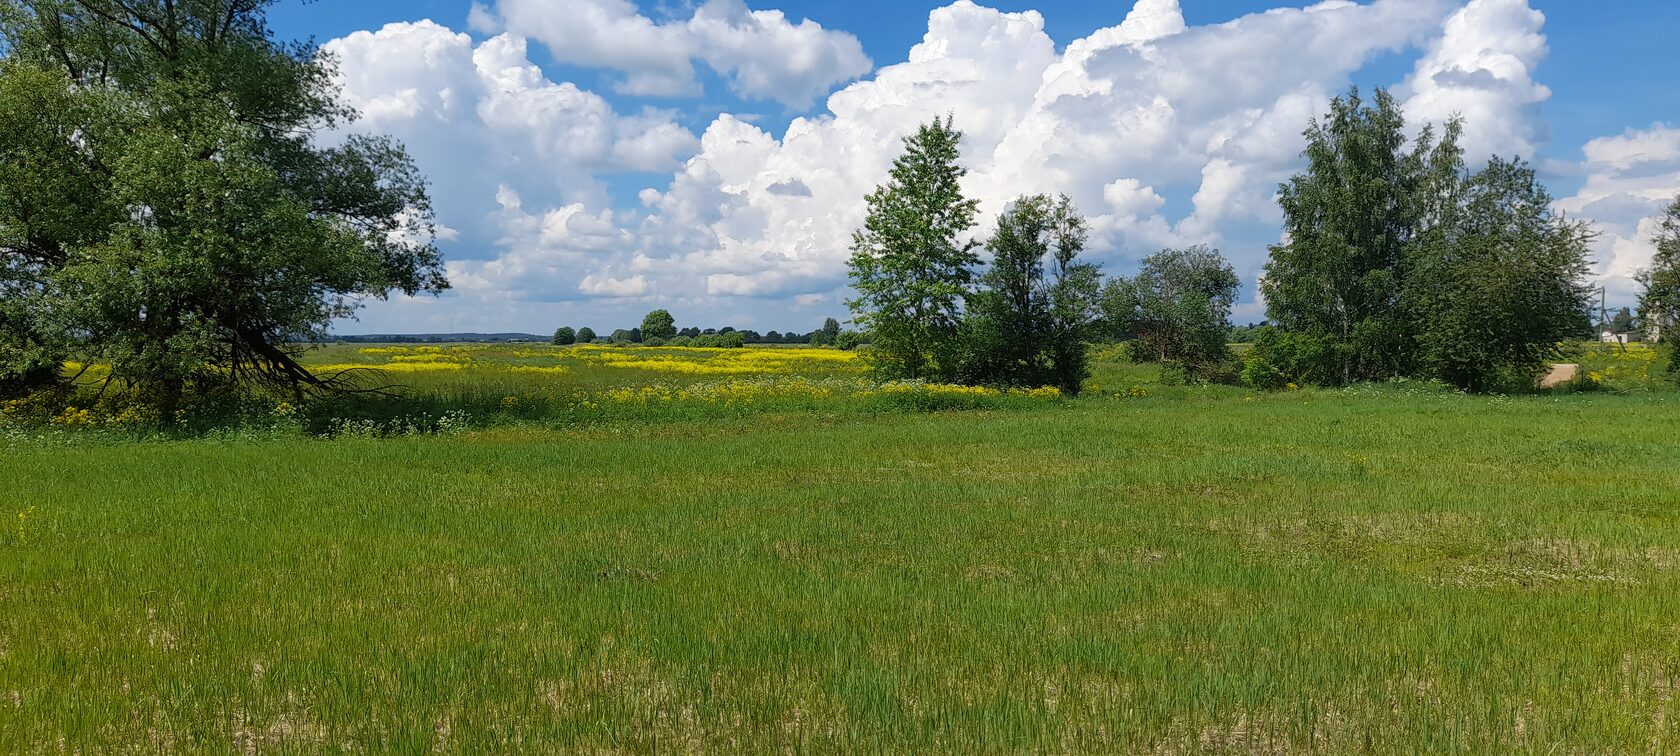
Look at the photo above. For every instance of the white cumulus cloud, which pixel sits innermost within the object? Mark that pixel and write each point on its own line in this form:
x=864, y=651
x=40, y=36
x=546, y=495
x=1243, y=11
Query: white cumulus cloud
x=1482, y=68
x=1162, y=132
x=1117, y=120
x=762, y=53
x=495, y=135
x=1631, y=178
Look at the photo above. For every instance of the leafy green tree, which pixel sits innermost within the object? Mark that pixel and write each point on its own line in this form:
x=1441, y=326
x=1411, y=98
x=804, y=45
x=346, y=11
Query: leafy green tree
x=909, y=267
x=1176, y=310
x=1349, y=218
x=1032, y=316
x=1659, y=306
x=51, y=199
x=1400, y=264
x=564, y=335
x=586, y=335
x=847, y=340
x=214, y=234
x=624, y=336
x=825, y=336
x=1507, y=288
x=659, y=325
x=1075, y=298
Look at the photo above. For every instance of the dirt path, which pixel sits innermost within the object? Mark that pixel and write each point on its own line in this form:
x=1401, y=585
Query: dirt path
x=1560, y=374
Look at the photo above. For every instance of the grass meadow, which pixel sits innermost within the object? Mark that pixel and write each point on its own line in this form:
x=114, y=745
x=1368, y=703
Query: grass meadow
x=722, y=557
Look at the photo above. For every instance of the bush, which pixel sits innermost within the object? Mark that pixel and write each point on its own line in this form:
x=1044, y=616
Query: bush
x=654, y=341
x=848, y=340
x=680, y=341
x=731, y=340
x=1299, y=358
x=564, y=335
x=1259, y=372
x=586, y=335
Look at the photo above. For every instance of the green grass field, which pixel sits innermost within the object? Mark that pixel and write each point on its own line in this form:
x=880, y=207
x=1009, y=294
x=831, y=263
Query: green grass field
x=1388, y=569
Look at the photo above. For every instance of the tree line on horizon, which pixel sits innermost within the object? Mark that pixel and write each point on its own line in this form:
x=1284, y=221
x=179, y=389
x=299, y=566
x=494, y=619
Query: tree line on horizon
x=659, y=328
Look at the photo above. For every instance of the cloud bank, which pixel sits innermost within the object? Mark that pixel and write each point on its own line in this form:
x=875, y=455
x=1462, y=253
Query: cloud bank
x=1163, y=133
x=1631, y=178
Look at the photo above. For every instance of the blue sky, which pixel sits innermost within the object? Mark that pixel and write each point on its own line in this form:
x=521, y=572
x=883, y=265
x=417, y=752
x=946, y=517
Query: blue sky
x=593, y=159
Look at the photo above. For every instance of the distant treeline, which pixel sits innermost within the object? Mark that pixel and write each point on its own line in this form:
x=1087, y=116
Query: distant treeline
x=748, y=335
x=435, y=338
x=659, y=328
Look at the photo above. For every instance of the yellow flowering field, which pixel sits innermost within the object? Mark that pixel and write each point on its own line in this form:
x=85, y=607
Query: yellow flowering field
x=532, y=359
x=432, y=387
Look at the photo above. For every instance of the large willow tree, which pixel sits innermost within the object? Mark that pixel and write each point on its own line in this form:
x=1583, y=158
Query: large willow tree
x=167, y=205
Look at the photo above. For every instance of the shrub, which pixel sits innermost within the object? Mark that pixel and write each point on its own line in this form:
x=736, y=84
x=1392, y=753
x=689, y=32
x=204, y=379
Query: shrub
x=1259, y=372
x=731, y=340
x=1301, y=358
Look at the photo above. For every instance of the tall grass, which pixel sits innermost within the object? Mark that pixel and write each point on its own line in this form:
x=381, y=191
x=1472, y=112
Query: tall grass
x=1394, y=570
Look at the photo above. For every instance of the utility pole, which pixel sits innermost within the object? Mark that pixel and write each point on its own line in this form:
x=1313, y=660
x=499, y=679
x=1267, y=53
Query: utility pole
x=1604, y=318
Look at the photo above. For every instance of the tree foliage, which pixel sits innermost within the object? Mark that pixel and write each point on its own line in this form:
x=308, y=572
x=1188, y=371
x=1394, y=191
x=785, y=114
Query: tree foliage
x=564, y=335
x=1348, y=218
x=909, y=266
x=1659, y=305
x=169, y=210
x=826, y=335
x=659, y=325
x=1032, y=315
x=585, y=335
x=1176, y=310
x=1504, y=289
x=1397, y=262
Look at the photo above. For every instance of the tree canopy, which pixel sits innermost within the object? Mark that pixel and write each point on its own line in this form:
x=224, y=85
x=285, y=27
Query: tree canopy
x=1400, y=263
x=909, y=266
x=169, y=207
x=1659, y=306
x=1033, y=312
x=1347, y=219
x=659, y=325
x=1176, y=310
x=1509, y=284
